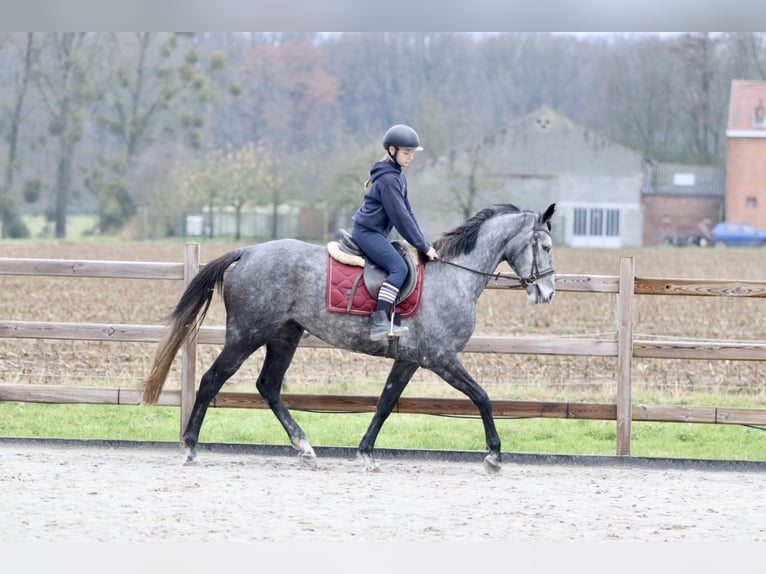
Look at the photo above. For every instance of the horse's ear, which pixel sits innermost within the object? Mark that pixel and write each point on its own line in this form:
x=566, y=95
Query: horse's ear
x=546, y=217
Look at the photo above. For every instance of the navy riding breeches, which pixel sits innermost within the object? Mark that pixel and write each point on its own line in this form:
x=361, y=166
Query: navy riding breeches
x=379, y=249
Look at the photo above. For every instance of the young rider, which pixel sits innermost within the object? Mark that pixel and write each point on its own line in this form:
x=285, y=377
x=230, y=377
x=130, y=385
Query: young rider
x=386, y=207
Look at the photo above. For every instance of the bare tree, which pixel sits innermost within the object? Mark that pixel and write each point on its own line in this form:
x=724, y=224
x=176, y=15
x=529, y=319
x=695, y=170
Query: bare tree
x=748, y=53
x=66, y=61
x=700, y=94
x=285, y=93
x=16, y=112
x=148, y=76
x=469, y=179
x=634, y=106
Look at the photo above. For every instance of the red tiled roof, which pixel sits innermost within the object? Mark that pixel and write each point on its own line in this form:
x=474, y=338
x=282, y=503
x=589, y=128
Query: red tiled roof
x=744, y=98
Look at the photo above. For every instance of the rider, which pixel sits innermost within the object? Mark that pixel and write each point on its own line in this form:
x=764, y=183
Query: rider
x=385, y=207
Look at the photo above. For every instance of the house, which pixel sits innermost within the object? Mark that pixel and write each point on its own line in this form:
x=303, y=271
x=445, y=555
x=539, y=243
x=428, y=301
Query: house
x=746, y=154
x=681, y=202
x=538, y=159
x=607, y=195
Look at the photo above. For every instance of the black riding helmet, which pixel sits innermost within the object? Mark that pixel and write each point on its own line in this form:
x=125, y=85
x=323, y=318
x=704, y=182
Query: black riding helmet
x=401, y=136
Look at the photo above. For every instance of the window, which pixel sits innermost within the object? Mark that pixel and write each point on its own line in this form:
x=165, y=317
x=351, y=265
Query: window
x=759, y=116
x=684, y=179
x=613, y=222
x=751, y=203
x=596, y=222
x=580, y=221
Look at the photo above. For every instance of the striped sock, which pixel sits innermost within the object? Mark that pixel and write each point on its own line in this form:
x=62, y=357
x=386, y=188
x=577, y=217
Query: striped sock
x=387, y=296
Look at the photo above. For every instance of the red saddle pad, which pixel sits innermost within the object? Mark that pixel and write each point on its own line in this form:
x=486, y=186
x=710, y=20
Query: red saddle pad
x=346, y=292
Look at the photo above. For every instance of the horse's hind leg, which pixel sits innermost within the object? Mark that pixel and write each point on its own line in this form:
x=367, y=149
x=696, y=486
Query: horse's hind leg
x=279, y=354
x=397, y=380
x=223, y=368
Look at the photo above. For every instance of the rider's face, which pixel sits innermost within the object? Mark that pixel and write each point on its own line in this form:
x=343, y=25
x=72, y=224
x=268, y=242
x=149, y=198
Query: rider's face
x=404, y=157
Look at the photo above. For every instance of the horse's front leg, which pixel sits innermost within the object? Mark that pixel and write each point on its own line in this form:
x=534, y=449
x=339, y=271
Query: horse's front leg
x=397, y=380
x=455, y=374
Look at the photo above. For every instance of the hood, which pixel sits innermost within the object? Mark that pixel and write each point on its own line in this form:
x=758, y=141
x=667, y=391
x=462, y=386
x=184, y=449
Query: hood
x=383, y=167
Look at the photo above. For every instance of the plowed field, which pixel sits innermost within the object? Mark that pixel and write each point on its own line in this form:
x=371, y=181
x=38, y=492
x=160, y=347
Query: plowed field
x=119, y=301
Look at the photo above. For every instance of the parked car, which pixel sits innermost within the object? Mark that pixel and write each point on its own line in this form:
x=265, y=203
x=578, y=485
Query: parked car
x=731, y=233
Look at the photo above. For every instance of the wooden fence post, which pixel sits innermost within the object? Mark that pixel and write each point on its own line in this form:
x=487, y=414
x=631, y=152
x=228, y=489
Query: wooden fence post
x=189, y=349
x=624, y=354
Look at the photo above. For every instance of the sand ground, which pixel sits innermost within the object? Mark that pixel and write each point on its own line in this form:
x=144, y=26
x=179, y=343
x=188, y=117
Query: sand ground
x=66, y=493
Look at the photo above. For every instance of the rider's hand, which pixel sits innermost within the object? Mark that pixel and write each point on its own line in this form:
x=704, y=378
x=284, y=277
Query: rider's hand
x=432, y=254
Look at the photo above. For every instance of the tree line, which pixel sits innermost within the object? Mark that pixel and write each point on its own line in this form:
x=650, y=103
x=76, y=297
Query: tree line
x=114, y=122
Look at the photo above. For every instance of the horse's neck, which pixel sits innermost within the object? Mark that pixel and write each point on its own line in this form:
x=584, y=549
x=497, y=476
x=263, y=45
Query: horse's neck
x=493, y=240
x=490, y=247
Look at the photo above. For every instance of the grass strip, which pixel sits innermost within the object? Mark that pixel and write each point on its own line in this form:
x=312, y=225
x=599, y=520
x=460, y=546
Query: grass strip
x=407, y=431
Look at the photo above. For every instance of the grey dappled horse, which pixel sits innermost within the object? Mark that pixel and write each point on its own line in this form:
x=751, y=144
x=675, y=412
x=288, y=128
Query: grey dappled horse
x=276, y=292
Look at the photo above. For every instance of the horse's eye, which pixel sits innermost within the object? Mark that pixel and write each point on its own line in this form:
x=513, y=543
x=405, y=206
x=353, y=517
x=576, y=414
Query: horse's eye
x=546, y=248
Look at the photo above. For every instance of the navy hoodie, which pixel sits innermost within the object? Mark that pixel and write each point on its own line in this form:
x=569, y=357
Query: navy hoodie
x=386, y=206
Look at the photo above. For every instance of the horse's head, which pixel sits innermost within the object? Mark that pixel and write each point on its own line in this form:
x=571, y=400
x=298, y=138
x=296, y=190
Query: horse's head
x=530, y=255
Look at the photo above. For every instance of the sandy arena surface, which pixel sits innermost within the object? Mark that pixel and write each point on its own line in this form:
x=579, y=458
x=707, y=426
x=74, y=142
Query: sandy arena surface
x=65, y=493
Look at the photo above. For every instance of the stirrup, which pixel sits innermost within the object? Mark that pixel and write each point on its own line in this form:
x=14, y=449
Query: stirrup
x=396, y=330
x=381, y=333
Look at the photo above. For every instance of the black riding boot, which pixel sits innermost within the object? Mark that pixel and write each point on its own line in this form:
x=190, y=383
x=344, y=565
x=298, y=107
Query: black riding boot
x=382, y=327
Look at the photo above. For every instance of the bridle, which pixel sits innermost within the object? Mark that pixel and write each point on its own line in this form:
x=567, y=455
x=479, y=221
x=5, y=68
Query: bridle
x=534, y=273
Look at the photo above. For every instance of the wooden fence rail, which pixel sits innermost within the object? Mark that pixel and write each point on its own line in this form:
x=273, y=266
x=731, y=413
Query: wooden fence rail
x=623, y=347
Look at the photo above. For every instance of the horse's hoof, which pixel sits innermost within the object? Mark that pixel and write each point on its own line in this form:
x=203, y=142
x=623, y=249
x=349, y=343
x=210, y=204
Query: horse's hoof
x=370, y=464
x=492, y=463
x=308, y=459
x=190, y=457
x=306, y=453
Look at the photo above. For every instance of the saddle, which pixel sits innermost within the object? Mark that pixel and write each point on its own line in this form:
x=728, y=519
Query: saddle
x=353, y=281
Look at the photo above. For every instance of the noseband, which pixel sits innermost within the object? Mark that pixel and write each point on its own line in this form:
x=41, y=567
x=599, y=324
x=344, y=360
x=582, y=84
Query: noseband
x=535, y=272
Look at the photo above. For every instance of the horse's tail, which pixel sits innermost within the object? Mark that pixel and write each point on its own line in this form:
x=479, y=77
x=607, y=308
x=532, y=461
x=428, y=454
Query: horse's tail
x=185, y=318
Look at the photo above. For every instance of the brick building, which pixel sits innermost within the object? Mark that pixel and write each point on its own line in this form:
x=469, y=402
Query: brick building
x=681, y=201
x=746, y=154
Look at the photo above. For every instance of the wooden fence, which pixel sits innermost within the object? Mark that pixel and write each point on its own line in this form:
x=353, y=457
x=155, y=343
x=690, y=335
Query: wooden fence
x=623, y=348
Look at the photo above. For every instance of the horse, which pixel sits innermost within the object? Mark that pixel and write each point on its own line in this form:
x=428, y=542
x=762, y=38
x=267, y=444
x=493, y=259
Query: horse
x=275, y=291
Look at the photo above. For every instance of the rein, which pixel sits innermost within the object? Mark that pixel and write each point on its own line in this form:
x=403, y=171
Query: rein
x=533, y=276
x=494, y=276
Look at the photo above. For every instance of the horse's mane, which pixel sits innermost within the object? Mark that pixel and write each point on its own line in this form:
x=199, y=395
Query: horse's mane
x=462, y=239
